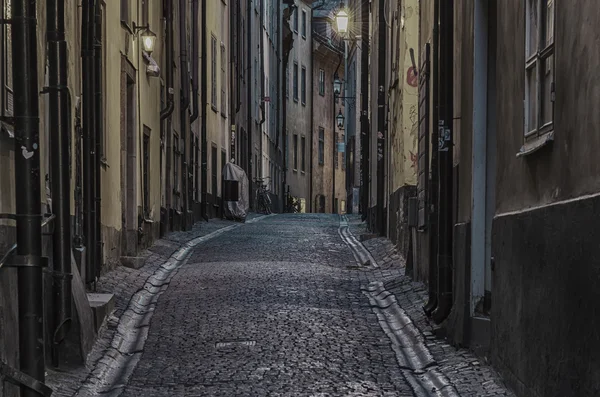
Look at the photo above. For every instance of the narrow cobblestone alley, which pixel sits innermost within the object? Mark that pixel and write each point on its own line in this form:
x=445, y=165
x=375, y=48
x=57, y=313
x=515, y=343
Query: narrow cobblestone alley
x=278, y=307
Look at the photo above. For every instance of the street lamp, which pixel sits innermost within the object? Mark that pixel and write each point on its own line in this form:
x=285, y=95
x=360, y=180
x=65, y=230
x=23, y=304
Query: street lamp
x=337, y=85
x=340, y=120
x=341, y=18
x=148, y=37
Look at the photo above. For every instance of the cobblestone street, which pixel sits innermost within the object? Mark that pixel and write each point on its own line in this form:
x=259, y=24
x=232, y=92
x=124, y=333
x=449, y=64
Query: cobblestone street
x=279, y=306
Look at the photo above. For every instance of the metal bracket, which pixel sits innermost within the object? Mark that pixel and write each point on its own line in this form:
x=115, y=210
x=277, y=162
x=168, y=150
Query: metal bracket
x=19, y=378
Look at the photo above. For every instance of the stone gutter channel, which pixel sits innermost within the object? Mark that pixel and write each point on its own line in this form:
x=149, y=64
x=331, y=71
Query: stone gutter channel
x=113, y=371
x=416, y=362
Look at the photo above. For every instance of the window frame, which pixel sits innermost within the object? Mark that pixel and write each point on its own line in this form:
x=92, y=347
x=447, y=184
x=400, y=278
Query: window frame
x=303, y=24
x=536, y=66
x=296, y=22
x=213, y=72
x=303, y=85
x=303, y=153
x=223, y=80
x=125, y=13
x=295, y=77
x=322, y=82
x=295, y=159
x=321, y=149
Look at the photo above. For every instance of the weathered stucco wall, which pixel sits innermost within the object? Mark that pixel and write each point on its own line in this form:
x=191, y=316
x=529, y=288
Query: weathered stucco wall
x=568, y=167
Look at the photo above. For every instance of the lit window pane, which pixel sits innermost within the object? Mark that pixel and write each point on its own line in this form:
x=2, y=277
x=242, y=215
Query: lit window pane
x=532, y=120
x=548, y=73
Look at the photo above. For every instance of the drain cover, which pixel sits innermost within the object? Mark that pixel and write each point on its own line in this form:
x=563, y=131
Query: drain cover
x=244, y=343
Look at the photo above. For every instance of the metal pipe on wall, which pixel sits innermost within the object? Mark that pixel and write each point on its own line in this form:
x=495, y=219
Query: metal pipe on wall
x=381, y=113
x=204, y=102
x=433, y=197
x=445, y=164
x=89, y=138
x=165, y=114
x=28, y=198
x=183, y=109
x=59, y=149
x=99, y=132
x=364, y=118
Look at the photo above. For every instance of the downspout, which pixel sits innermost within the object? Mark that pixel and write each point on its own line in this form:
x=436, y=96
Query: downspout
x=204, y=101
x=381, y=106
x=196, y=107
x=278, y=115
x=263, y=111
x=59, y=147
x=166, y=112
x=185, y=103
x=364, y=119
x=89, y=138
x=28, y=197
x=333, y=141
x=99, y=130
x=445, y=164
x=433, y=191
x=249, y=106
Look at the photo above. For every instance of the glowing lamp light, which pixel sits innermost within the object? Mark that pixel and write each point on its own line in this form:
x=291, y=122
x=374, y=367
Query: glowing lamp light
x=342, y=21
x=340, y=120
x=148, y=40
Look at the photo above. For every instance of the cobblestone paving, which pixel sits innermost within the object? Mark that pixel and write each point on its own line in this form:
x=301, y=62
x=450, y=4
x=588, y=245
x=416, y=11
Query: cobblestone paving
x=469, y=375
x=275, y=308
x=124, y=282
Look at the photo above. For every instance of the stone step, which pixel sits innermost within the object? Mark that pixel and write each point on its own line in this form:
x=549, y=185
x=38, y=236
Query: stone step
x=102, y=305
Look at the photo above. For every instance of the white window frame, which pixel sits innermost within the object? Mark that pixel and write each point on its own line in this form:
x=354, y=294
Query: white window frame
x=537, y=68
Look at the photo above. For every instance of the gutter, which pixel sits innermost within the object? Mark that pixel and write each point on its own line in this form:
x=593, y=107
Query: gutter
x=195, y=108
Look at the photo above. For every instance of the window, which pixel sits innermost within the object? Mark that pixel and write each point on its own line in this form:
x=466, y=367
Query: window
x=287, y=82
x=539, y=67
x=321, y=82
x=295, y=152
x=214, y=162
x=296, y=20
x=295, y=81
x=303, y=23
x=336, y=155
x=223, y=81
x=125, y=12
x=344, y=152
x=213, y=93
x=176, y=162
x=303, y=85
x=303, y=153
x=321, y=146
x=146, y=170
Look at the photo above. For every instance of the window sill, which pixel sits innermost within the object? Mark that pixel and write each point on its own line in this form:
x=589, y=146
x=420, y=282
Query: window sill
x=303, y=172
x=104, y=163
x=535, y=144
x=296, y=100
x=214, y=108
x=224, y=115
x=295, y=170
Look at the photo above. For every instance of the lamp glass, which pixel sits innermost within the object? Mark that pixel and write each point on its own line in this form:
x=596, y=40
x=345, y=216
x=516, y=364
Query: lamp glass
x=337, y=85
x=340, y=119
x=148, y=41
x=342, y=21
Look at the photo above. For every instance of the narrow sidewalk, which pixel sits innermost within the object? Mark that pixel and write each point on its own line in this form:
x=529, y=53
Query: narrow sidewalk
x=124, y=282
x=469, y=375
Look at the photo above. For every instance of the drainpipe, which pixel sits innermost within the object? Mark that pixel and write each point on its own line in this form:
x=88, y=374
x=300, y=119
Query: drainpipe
x=433, y=188
x=261, y=52
x=204, y=102
x=333, y=140
x=249, y=106
x=279, y=92
x=99, y=131
x=165, y=114
x=196, y=107
x=381, y=105
x=185, y=103
x=28, y=198
x=445, y=163
x=59, y=147
x=89, y=138
x=364, y=118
